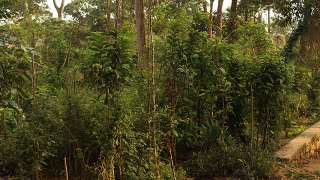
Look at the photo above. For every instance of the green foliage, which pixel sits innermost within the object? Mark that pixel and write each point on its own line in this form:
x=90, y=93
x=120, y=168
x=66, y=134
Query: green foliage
x=90, y=13
x=210, y=88
x=297, y=108
x=272, y=83
x=57, y=49
x=254, y=42
x=16, y=8
x=303, y=80
x=5, y=9
x=110, y=61
x=232, y=160
x=27, y=142
x=220, y=107
x=14, y=67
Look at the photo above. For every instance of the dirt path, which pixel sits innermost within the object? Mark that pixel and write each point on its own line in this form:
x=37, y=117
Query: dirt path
x=308, y=169
x=313, y=166
x=300, y=156
x=302, y=146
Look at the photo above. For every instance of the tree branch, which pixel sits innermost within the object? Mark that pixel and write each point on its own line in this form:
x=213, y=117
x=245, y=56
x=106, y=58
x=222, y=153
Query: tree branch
x=62, y=6
x=56, y=5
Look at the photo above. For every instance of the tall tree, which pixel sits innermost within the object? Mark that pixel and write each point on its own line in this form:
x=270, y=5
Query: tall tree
x=18, y=9
x=310, y=39
x=59, y=9
x=231, y=25
x=119, y=13
x=302, y=26
x=108, y=11
x=233, y=11
x=218, y=21
x=140, y=28
x=204, y=5
x=210, y=21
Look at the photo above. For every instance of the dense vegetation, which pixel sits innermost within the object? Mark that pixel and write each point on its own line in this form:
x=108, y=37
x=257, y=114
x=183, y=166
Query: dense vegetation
x=162, y=89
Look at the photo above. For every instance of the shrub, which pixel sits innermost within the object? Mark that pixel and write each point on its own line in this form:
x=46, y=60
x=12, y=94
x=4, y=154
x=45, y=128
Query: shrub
x=232, y=159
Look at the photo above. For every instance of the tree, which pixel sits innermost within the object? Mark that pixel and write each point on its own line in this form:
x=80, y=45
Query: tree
x=92, y=14
x=140, y=28
x=303, y=21
x=59, y=9
x=233, y=10
x=232, y=21
x=210, y=20
x=109, y=70
x=204, y=5
x=218, y=20
x=5, y=6
x=310, y=40
x=14, y=67
x=119, y=13
x=18, y=9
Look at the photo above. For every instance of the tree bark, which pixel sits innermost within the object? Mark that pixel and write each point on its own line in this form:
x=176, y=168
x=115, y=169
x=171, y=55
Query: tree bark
x=310, y=40
x=152, y=91
x=210, y=22
x=66, y=168
x=59, y=9
x=108, y=12
x=233, y=12
x=232, y=20
x=269, y=20
x=218, y=22
x=204, y=5
x=119, y=22
x=299, y=31
x=140, y=28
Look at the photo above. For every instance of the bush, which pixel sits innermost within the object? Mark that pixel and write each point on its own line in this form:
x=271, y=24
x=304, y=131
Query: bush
x=232, y=159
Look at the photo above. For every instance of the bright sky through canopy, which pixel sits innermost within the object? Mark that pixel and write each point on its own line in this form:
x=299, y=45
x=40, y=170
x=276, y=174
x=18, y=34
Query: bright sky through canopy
x=51, y=6
x=226, y=5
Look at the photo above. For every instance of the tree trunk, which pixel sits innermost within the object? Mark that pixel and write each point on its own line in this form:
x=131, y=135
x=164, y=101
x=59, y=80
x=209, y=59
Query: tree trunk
x=140, y=27
x=33, y=79
x=152, y=91
x=204, y=5
x=210, y=22
x=66, y=168
x=108, y=12
x=252, y=117
x=60, y=10
x=269, y=20
x=233, y=11
x=32, y=44
x=310, y=40
x=218, y=22
x=3, y=124
x=232, y=20
x=299, y=31
x=119, y=13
